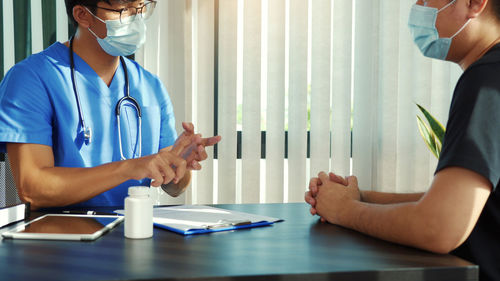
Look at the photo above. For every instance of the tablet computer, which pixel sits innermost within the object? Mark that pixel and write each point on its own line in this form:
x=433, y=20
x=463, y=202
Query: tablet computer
x=64, y=227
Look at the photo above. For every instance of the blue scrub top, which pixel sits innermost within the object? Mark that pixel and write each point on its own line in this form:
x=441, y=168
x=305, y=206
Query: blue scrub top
x=38, y=105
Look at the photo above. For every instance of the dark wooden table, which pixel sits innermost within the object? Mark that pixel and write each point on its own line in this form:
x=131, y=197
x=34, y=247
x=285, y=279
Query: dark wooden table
x=300, y=248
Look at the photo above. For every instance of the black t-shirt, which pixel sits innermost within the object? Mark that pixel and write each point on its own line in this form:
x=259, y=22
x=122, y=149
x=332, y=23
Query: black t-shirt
x=472, y=141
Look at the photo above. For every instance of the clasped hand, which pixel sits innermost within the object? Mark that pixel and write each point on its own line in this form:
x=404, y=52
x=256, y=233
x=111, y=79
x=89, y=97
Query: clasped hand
x=171, y=163
x=330, y=196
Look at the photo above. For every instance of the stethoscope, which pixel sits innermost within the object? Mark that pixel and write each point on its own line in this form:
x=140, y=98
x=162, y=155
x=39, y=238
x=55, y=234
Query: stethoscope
x=87, y=131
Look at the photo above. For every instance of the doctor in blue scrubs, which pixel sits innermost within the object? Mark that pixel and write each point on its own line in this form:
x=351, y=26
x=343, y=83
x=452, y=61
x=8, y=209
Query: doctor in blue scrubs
x=81, y=123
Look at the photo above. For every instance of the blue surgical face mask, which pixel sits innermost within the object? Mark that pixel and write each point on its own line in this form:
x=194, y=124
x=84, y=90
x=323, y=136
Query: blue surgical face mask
x=122, y=39
x=422, y=24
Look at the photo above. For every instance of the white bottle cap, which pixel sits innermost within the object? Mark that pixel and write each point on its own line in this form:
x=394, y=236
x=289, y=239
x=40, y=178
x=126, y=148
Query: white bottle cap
x=138, y=190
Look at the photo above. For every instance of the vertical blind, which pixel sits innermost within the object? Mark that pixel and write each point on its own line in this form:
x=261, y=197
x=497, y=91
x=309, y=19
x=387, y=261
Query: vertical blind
x=29, y=26
x=294, y=87
x=318, y=85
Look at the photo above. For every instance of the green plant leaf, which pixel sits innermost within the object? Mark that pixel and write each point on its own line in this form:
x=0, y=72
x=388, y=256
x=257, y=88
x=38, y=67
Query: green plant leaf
x=439, y=144
x=437, y=128
x=428, y=136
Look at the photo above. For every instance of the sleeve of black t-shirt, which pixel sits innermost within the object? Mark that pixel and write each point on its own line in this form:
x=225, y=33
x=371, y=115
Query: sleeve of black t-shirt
x=472, y=139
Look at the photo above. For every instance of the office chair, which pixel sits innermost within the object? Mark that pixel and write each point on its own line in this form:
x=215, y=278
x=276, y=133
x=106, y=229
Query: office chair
x=8, y=190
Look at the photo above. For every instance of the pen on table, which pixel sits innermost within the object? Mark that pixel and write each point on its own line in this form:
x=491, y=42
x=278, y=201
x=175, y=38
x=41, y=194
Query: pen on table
x=88, y=213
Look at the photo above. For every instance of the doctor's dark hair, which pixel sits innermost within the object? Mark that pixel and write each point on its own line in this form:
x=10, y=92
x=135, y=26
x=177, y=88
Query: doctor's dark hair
x=70, y=4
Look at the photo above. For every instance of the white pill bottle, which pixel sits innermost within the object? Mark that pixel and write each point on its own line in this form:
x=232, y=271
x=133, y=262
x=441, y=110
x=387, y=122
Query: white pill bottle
x=138, y=213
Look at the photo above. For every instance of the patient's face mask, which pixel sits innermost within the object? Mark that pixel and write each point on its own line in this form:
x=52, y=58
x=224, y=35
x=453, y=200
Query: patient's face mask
x=122, y=39
x=422, y=24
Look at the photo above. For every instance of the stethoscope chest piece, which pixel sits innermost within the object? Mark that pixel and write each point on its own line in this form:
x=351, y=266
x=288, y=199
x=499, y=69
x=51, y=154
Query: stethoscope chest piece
x=87, y=134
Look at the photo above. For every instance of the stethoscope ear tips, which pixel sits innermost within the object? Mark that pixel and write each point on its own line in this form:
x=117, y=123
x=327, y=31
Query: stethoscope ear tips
x=87, y=134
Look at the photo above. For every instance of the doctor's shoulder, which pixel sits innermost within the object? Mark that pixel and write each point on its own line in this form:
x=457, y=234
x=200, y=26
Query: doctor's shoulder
x=36, y=76
x=141, y=76
x=34, y=66
x=25, y=73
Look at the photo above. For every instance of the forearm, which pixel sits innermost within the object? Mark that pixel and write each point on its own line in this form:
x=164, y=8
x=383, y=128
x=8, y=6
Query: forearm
x=61, y=186
x=42, y=184
x=439, y=222
x=389, y=198
x=403, y=223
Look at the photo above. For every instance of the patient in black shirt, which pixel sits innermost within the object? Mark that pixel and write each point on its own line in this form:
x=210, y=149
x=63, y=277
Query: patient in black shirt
x=460, y=212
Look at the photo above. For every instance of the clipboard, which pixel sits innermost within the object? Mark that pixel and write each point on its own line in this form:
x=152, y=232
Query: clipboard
x=198, y=219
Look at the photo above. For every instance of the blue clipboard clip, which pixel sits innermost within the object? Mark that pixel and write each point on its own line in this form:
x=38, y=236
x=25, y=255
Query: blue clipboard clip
x=227, y=223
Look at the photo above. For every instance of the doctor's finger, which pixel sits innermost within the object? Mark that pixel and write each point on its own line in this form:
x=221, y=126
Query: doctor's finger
x=180, y=144
x=168, y=174
x=194, y=165
x=211, y=141
x=164, y=166
x=166, y=170
x=156, y=178
x=180, y=168
x=201, y=153
x=188, y=127
x=153, y=168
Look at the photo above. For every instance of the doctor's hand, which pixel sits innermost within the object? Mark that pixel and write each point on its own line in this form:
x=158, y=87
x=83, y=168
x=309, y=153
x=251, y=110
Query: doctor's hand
x=195, y=152
x=163, y=167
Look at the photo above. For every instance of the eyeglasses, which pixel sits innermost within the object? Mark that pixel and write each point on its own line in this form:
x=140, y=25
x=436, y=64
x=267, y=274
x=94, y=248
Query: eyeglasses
x=129, y=14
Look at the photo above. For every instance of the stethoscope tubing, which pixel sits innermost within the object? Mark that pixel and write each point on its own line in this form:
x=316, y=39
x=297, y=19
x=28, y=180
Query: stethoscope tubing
x=87, y=130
